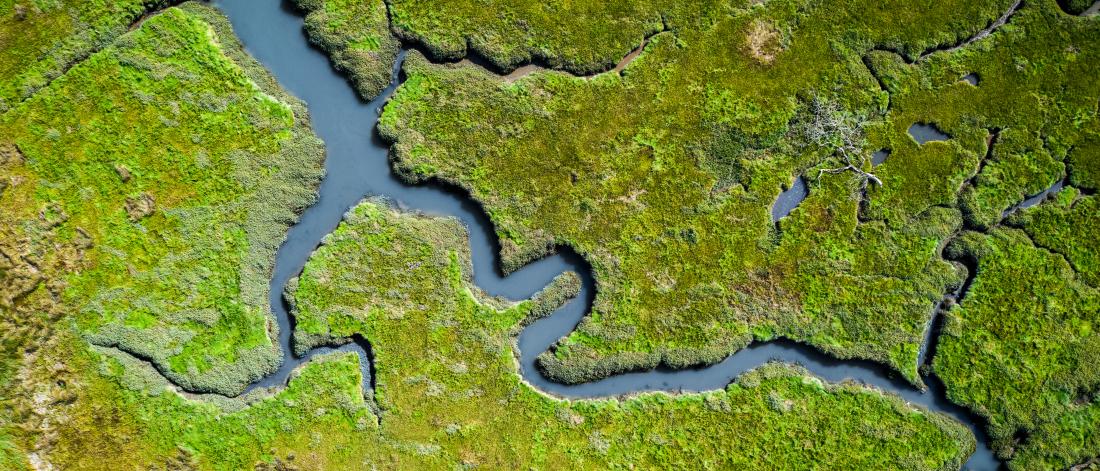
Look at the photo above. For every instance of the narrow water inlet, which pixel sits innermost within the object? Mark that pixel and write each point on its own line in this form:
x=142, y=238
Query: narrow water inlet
x=789, y=199
x=1036, y=198
x=1094, y=10
x=357, y=166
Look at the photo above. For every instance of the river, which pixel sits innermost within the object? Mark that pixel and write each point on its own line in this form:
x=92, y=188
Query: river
x=357, y=166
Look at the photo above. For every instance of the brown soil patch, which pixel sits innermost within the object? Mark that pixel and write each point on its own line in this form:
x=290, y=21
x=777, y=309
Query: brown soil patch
x=140, y=206
x=764, y=41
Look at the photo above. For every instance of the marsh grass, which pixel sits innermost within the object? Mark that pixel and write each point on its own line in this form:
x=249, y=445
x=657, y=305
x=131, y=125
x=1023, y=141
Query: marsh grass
x=1026, y=360
x=41, y=40
x=662, y=177
x=174, y=261
x=357, y=37
x=448, y=386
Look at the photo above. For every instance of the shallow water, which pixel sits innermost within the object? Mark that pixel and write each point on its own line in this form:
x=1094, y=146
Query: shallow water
x=357, y=166
x=789, y=199
x=1093, y=10
x=879, y=156
x=923, y=132
x=1037, y=198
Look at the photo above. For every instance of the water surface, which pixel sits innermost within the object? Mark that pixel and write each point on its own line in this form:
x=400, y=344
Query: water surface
x=879, y=156
x=789, y=199
x=1037, y=198
x=924, y=133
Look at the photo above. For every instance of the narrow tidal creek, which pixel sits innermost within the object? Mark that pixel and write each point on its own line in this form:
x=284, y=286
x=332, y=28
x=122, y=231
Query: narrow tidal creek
x=357, y=166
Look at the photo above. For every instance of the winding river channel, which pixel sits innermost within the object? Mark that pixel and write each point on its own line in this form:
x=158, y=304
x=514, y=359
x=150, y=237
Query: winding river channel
x=357, y=166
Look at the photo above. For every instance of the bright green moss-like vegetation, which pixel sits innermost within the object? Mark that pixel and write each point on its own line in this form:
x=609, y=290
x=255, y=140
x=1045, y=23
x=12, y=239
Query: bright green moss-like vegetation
x=663, y=177
x=1067, y=226
x=156, y=180
x=1023, y=350
x=448, y=388
x=357, y=37
x=101, y=409
x=39, y=40
x=581, y=37
x=144, y=193
x=448, y=391
x=146, y=188
x=1021, y=347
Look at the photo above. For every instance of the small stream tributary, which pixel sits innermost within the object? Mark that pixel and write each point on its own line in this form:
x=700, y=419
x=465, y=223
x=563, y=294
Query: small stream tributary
x=357, y=166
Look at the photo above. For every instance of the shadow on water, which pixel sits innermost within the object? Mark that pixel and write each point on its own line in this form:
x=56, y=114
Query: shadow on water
x=357, y=166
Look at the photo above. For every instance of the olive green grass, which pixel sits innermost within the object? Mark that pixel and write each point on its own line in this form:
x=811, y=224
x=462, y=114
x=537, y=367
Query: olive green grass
x=1022, y=349
x=357, y=37
x=42, y=39
x=147, y=187
x=448, y=390
x=171, y=165
x=662, y=177
x=450, y=395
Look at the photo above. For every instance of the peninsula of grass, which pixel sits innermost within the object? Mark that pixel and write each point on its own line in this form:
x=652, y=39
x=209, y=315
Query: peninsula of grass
x=356, y=36
x=146, y=191
x=448, y=387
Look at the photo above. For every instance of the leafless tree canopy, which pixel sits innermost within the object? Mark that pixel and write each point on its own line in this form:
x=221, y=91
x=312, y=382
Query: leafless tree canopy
x=833, y=128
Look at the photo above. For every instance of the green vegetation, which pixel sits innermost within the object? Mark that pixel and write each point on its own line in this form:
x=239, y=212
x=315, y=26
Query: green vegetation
x=1084, y=160
x=148, y=177
x=448, y=386
x=1075, y=7
x=512, y=32
x=42, y=39
x=148, y=189
x=101, y=409
x=1068, y=226
x=662, y=177
x=139, y=222
x=357, y=37
x=144, y=193
x=1023, y=350
x=448, y=390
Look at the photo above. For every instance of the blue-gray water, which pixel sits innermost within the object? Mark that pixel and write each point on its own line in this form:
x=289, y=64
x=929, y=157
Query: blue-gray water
x=924, y=132
x=789, y=199
x=357, y=167
x=879, y=156
x=1036, y=198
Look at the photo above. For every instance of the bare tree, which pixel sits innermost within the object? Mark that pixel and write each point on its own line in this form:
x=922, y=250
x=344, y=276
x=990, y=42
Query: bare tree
x=833, y=128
